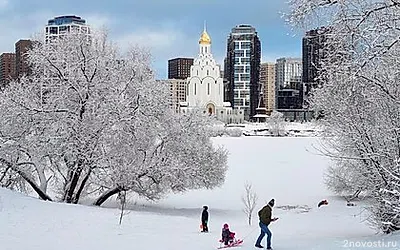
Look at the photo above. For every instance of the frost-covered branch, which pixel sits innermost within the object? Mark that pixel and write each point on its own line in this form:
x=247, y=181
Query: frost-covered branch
x=360, y=98
x=93, y=118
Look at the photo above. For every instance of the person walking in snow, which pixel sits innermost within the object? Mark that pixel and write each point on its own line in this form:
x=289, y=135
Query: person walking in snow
x=204, y=219
x=265, y=219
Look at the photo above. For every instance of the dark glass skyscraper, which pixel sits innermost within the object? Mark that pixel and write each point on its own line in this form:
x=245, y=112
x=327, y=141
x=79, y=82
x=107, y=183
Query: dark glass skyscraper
x=314, y=51
x=242, y=69
x=179, y=68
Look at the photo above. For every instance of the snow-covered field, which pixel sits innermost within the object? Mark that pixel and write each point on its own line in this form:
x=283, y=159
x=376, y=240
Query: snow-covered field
x=293, y=129
x=287, y=169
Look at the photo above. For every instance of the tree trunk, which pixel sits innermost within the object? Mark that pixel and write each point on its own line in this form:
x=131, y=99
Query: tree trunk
x=35, y=187
x=42, y=195
x=81, y=187
x=42, y=179
x=107, y=195
x=73, y=180
x=73, y=183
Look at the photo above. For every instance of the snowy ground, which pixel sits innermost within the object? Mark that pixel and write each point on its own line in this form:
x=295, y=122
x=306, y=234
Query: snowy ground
x=287, y=169
x=293, y=129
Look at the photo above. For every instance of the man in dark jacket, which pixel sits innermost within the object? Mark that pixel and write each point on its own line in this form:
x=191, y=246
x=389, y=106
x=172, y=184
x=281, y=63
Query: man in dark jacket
x=265, y=219
x=204, y=219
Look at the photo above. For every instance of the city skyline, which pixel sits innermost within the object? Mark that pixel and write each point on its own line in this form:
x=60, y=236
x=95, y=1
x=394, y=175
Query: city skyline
x=170, y=29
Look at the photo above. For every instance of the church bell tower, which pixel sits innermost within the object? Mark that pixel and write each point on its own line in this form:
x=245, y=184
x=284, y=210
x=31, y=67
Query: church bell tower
x=205, y=42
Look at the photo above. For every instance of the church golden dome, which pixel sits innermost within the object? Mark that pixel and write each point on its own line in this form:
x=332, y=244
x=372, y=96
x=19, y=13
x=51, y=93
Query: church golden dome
x=205, y=38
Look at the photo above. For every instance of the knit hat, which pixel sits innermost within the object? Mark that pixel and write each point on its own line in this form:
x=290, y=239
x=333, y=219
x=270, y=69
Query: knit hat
x=271, y=202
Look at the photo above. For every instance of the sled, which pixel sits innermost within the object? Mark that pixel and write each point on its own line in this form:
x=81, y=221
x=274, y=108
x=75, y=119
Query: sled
x=234, y=243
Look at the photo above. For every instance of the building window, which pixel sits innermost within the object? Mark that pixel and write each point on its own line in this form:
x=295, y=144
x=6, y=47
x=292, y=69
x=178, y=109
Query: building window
x=239, y=53
x=239, y=69
x=208, y=88
x=195, y=87
x=245, y=60
x=246, y=45
x=208, y=72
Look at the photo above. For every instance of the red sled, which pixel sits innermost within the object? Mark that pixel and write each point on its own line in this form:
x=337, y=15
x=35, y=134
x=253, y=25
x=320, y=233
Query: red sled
x=234, y=243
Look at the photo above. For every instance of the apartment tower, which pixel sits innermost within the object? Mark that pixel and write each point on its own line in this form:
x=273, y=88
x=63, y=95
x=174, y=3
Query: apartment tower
x=179, y=68
x=21, y=62
x=287, y=71
x=267, y=80
x=314, y=51
x=242, y=69
x=62, y=25
x=178, y=92
x=7, y=68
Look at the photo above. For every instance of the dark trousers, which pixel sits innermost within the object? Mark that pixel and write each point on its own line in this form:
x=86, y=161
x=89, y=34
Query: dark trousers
x=264, y=231
x=205, y=227
x=228, y=239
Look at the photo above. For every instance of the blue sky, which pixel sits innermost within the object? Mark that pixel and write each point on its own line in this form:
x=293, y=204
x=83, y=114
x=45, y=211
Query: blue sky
x=170, y=28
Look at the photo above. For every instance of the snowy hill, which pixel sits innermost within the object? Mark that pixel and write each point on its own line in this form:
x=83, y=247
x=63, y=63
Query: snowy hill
x=287, y=169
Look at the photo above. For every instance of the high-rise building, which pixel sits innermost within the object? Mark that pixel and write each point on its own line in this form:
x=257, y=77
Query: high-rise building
x=62, y=25
x=7, y=68
x=314, y=51
x=179, y=68
x=242, y=69
x=21, y=63
x=288, y=84
x=267, y=80
x=178, y=92
x=287, y=69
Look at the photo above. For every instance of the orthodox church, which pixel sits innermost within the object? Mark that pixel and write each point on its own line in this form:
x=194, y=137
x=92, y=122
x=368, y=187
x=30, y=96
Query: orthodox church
x=205, y=87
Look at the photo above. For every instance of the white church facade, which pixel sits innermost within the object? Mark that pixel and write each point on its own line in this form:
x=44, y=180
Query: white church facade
x=205, y=87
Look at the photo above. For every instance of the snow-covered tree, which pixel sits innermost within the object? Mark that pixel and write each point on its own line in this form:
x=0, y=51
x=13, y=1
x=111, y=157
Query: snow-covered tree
x=360, y=96
x=171, y=154
x=94, y=119
x=277, y=124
